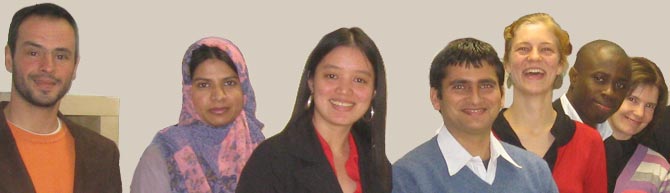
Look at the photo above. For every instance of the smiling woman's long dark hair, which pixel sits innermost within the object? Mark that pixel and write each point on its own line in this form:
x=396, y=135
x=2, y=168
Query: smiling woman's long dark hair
x=371, y=124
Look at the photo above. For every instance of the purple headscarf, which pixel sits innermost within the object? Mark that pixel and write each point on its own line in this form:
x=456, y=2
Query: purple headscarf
x=203, y=158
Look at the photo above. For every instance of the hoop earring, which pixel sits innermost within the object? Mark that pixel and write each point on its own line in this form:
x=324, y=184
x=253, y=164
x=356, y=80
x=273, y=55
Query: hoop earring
x=368, y=116
x=372, y=111
x=309, y=102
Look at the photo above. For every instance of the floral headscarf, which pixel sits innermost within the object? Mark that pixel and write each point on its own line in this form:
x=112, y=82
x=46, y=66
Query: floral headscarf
x=203, y=158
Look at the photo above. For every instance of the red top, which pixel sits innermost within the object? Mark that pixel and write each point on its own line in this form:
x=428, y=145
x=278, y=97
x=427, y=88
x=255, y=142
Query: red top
x=581, y=165
x=576, y=158
x=352, y=163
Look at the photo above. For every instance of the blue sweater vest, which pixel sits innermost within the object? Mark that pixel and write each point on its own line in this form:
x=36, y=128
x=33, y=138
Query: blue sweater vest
x=424, y=170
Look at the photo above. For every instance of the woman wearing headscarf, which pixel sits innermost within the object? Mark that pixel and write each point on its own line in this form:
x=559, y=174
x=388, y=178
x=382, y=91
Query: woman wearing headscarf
x=334, y=141
x=217, y=129
x=632, y=166
x=536, y=50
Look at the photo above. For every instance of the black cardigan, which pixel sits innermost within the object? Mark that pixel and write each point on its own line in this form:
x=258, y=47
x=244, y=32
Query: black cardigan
x=293, y=161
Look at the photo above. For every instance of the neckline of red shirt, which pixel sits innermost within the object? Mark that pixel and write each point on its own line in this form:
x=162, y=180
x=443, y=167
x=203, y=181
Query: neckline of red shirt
x=352, y=162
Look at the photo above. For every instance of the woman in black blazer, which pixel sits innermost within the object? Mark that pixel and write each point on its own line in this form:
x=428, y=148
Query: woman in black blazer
x=334, y=141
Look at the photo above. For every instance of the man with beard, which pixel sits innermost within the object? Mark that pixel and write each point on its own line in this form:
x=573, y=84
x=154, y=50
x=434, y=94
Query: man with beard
x=598, y=84
x=40, y=150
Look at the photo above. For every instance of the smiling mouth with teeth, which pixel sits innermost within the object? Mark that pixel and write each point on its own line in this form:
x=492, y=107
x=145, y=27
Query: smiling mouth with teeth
x=340, y=103
x=474, y=110
x=534, y=71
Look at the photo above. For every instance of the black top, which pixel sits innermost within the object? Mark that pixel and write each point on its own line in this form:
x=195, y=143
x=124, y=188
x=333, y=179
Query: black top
x=618, y=153
x=293, y=161
x=562, y=130
x=558, y=106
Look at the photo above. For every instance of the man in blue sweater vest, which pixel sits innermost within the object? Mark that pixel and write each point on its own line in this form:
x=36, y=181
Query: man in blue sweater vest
x=466, y=80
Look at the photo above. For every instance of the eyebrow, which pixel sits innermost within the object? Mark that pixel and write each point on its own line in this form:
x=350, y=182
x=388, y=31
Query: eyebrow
x=236, y=77
x=463, y=81
x=489, y=81
x=541, y=43
x=601, y=73
x=646, y=103
x=63, y=50
x=652, y=103
x=33, y=44
x=609, y=75
x=331, y=66
x=459, y=81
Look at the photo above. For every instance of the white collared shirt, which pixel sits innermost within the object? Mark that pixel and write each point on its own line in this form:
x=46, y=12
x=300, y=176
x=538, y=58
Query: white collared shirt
x=456, y=157
x=603, y=128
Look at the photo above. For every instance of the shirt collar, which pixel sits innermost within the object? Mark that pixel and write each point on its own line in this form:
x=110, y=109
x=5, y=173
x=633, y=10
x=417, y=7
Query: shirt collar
x=456, y=157
x=603, y=128
x=567, y=107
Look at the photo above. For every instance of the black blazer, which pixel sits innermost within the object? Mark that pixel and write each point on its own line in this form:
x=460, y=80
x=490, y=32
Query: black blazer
x=96, y=161
x=293, y=161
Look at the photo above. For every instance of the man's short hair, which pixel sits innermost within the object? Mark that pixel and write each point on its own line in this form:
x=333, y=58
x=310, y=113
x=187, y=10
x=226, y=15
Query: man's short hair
x=42, y=10
x=467, y=52
x=592, y=48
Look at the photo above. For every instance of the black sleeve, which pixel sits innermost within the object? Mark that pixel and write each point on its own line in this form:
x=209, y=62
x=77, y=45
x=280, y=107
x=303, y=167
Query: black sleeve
x=258, y=174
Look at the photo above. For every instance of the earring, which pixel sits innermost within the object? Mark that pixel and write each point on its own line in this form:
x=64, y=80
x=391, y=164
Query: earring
x=368, y=116
x=372, y=111
x=509, y=80
x=558, y=82
x=309, y=102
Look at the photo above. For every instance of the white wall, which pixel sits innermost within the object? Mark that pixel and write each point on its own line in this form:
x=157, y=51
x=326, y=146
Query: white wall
x=133, y=50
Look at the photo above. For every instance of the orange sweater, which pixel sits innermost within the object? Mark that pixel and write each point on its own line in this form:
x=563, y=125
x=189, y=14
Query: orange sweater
x=49, y=159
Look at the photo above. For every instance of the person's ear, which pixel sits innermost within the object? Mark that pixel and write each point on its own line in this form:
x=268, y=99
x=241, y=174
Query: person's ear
x=8, y=59
x=310, y=84
x=573, y=76
x=502, y=97
x=506, y=67
x=563, y=69
x=434, y=99
x=74, y=70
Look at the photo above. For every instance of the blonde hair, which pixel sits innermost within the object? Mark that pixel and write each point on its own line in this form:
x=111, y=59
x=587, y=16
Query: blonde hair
x=564, y=45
